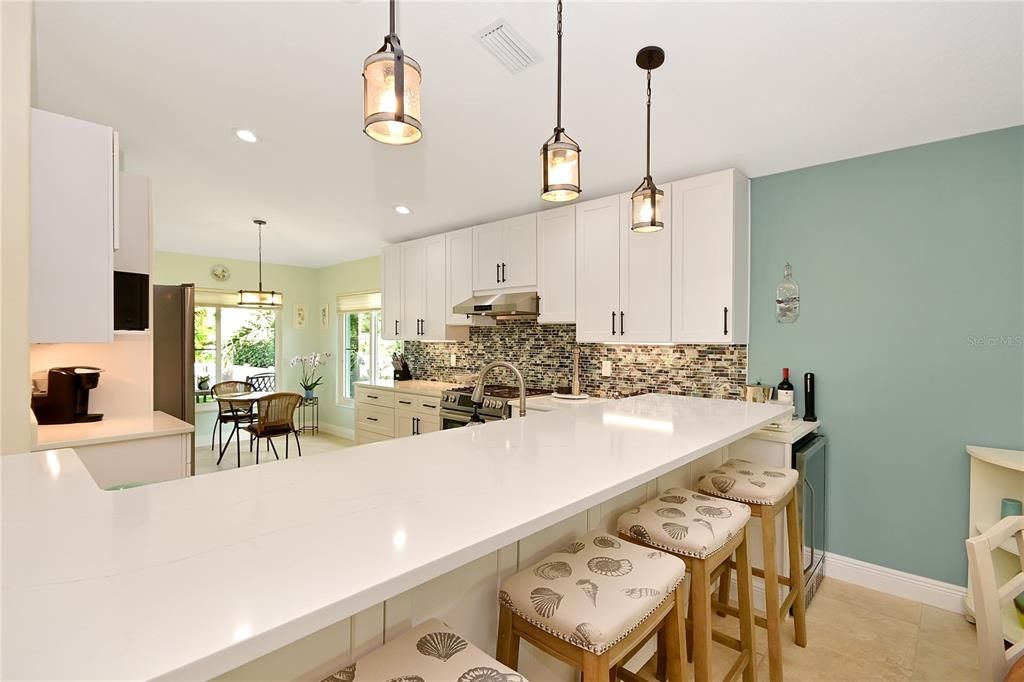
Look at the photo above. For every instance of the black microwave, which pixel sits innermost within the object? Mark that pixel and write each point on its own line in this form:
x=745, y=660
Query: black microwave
x=131, y=301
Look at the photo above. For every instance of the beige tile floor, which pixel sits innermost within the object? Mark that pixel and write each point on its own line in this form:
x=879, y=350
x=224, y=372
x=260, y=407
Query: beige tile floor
x=206, y=459
x=856, y=634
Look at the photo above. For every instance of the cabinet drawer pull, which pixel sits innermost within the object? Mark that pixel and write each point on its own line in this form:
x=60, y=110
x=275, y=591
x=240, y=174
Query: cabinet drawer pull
x=429, y=406
x=613, y=323
x=405, y=402
x=372, y=396
x=371, y=419
x=725, y=322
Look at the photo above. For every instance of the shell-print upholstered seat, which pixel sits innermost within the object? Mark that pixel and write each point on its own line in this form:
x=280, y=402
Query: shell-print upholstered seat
x=594, y=591
x=685, y=522
x=430, y=652
x=745, y=481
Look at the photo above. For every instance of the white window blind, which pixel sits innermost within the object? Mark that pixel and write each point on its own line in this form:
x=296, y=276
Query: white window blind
x=354, y=303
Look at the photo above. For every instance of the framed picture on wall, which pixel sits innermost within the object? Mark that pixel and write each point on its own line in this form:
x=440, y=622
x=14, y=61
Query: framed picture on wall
x=299, y=315
x=325, y=316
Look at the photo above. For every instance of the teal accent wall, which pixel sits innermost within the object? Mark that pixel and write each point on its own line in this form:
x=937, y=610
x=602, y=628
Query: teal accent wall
x=910, y=269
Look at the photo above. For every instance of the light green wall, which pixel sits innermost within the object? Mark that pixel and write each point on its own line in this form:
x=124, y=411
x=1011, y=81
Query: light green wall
x=345, y=278
x=309, y=286
x=904, y=260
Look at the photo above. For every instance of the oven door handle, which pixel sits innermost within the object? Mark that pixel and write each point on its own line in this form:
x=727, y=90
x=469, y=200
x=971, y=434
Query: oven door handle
x=456, y=417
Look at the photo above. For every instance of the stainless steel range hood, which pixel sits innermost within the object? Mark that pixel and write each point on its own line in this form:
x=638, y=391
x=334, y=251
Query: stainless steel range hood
x=500, y=305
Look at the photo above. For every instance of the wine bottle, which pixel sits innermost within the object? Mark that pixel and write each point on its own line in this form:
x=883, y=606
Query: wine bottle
x=784, y=394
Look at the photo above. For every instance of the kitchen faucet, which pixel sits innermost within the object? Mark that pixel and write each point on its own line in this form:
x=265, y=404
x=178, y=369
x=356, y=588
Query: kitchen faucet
x=478, y=392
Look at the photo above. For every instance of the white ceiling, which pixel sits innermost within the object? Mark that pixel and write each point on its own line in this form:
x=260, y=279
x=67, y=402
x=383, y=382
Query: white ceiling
x=767, y=87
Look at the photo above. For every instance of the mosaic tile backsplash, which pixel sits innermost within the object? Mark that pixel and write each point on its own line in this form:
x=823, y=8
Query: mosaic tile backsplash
x=543, y=353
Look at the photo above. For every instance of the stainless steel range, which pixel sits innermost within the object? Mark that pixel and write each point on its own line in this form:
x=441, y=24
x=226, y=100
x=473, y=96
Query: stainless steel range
x=457, y=404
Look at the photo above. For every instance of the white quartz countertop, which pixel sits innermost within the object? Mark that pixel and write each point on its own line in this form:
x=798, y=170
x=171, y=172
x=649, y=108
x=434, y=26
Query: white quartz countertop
x=417, y=386
x=546, y=403
x=196, y=576
x=109, y=430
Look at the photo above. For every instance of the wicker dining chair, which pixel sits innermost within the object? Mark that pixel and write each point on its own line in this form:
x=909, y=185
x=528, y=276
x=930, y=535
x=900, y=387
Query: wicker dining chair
x=275, y=416
x=264, y=382
x=229, y=412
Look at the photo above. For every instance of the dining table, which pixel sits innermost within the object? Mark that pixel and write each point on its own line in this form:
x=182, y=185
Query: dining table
x=239, y=406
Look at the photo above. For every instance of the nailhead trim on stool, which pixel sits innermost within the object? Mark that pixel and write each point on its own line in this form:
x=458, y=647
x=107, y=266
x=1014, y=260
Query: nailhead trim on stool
x=744, y=481
x=430, y=652
x=593, y=592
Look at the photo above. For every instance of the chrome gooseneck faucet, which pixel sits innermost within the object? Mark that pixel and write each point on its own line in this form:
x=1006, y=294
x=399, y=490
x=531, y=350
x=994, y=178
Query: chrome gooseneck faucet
x=478, y=392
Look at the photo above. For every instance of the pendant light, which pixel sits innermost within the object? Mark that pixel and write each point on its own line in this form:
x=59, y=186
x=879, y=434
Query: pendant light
x=646, y=199
x=391, y=93
x=249, y=298
x=560, y=155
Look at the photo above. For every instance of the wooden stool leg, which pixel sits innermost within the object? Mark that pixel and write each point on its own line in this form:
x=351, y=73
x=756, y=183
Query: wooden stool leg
x=796, y=572
x=661, y=668
x=689, y=617
x=596, y=668
x=745, y=592
x=674, y=641
x=700, y=597
x=724, y=587
x=508, y=641
x=771, y=594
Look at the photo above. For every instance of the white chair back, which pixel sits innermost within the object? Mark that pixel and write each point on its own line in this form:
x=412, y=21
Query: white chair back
x=990, y=598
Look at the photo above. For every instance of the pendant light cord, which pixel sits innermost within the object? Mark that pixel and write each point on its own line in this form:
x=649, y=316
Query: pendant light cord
x=558, y=99
x=392, y=17
x=648, y=124
x=260, y=239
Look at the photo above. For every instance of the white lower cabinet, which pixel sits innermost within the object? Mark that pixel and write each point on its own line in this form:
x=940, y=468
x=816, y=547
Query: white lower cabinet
x=710, y=258
x=623, y=278
x=146, y=460
x=383, y=413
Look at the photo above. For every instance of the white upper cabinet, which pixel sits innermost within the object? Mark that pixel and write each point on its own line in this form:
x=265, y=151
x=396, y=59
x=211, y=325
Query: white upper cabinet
x=424, y=299
x=556, y=269
x=459, y=257
x=136, y=225
x=391, y=292
x=435, y=300
x=710, y=257
x=74, y=218
x=597, y=270
x=505, y=254
x=414, y=289
x=645, y=279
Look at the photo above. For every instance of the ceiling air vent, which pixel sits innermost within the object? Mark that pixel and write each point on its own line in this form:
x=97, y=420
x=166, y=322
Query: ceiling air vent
x=507, y=46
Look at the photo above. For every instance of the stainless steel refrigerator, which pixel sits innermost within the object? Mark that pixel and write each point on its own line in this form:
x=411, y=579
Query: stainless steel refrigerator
x=174, y=355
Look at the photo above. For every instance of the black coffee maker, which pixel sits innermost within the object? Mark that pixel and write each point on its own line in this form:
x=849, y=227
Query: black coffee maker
x=65, y=400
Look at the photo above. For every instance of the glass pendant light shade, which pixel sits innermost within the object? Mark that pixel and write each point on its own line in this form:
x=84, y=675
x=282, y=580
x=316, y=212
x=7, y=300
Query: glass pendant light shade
x=391, y=116
x=260, y=299
x=647, y=208
x=560, y=165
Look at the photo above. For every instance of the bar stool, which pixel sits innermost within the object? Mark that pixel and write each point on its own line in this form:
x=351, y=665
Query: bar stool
x=430, y=652
x=593, y=605
x=769, y=491
x=704, y=532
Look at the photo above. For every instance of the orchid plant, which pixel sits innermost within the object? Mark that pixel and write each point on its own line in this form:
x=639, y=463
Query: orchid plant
x=309, y=364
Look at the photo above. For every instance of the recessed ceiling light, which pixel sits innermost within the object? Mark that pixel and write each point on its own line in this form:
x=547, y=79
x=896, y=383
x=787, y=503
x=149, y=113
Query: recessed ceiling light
x=403, y=210
x=246, y=135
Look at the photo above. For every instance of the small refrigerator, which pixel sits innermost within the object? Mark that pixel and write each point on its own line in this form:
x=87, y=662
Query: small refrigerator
x=809, y=459
x=174, y=355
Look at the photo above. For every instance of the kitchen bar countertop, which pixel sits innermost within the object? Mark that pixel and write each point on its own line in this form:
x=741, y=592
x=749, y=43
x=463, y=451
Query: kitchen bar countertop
x=109, y=430
x=194, y=577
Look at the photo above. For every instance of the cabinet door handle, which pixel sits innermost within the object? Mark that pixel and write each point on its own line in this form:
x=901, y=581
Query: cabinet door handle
x=416, y=426
x=725, y=322
x=396, y=327
x=613, y=323
x=497, y=273
x=622, y=323
x=502, y=272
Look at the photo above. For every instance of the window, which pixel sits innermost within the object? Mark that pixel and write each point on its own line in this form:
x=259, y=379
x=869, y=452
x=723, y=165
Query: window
x=233, y=343
x=365, y=356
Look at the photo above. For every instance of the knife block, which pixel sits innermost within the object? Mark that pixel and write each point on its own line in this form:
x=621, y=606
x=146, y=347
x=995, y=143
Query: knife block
x=403, y=375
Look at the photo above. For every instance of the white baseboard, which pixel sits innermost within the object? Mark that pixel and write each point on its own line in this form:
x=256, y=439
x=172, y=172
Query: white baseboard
x=340, y=431
x=897, y=583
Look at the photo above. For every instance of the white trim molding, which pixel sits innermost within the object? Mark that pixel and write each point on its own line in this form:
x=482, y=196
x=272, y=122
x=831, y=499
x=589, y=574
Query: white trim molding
x=897, y=583
x=340, y=431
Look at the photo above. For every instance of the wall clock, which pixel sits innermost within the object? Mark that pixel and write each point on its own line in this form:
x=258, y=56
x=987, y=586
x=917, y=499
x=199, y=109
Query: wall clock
x=220, y=273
